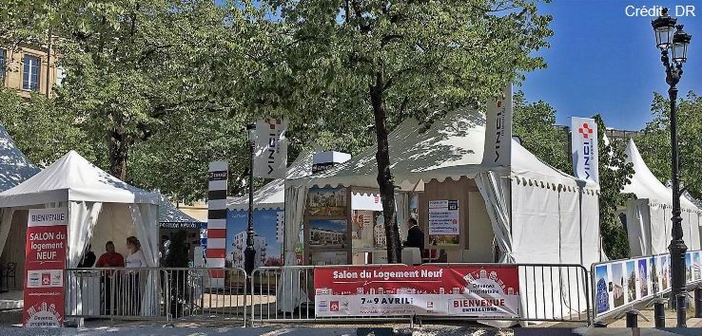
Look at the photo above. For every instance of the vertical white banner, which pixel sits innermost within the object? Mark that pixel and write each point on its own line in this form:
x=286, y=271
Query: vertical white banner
x=271, y=149
x=584, y=149
x=498, y=134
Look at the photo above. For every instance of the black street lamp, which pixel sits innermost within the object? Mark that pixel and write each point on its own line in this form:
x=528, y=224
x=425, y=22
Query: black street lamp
x=678, y=42
x=250, y=252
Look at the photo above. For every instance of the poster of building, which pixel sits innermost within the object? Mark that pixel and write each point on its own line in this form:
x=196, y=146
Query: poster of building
x=390, y=290
x=444, y=224
x=665, y=272
x=45, y=265
x=631, y=281
x=362, y=229
x=618, y=284
x=265, y=223
x=602, y=296
x=326, y=202
x=643, y=277
x=327, y=233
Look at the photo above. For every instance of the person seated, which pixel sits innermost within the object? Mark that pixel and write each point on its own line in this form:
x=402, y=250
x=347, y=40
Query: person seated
x=110, y=258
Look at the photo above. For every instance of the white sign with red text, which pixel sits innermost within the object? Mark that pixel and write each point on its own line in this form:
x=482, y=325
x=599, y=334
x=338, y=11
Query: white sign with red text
x=475, y=291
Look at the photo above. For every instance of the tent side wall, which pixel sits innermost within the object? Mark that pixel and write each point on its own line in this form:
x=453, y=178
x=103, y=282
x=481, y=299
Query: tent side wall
x=14, y=249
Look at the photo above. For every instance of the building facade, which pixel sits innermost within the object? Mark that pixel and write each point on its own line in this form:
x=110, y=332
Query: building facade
x=29, y=69
x=239, y=245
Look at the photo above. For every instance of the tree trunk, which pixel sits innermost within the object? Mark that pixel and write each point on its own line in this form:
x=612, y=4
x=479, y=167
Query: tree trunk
x=118, y=149
x=385, y=180
x=118, y=145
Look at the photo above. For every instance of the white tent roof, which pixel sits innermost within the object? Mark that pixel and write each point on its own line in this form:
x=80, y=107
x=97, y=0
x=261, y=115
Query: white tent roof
x=15, y=168
x=272, y=195
x=451, y=148
x=645, y=185
x=73, y=178
x=169, y=213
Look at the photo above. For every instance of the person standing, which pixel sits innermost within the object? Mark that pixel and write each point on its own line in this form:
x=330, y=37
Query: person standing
x=88, y=258
x=110, y=258
x=135, y=259
x=415, y=236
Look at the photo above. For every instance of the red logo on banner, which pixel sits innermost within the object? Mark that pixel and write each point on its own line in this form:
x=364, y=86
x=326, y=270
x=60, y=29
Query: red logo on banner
x=334, y=306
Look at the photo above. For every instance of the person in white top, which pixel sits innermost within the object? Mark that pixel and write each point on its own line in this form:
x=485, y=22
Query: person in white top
x=136, y=255
x=135, y=259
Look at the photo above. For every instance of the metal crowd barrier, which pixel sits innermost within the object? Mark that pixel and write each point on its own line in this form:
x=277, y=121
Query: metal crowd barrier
x=555, y=293
x=156, y=293
x=548, y=292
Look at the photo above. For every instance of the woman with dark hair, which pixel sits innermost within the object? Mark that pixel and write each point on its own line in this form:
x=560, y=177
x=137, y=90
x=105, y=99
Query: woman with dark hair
x=135, y=259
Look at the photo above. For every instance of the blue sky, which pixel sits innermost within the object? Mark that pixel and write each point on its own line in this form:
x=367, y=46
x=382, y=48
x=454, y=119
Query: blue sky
x=602, y=60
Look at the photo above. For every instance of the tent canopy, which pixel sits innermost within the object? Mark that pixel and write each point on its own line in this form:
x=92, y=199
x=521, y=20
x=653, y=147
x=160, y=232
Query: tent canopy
x=272, y=195
x=73, y=178
x=450, y=148
x=169, y=213
x=15, y=168
x=645, y=185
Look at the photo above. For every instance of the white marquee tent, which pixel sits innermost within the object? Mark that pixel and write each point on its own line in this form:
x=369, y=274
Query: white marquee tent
x=101, y=208
x=554, y=218
x=648, y=215
x=14, y=166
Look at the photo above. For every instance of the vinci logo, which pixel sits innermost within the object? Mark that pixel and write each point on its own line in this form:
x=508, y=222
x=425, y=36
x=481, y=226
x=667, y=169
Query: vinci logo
x=586, y=132
x=584, y=149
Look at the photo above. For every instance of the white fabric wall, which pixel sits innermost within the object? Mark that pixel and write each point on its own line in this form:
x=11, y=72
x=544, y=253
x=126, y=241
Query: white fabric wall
x=535, y=228
x=592, y=247
x=638, y=228
x=569, y=222
x=660, y=229
x=114, y=224
x=290, y=292
x=495, y=192
x=695, y=243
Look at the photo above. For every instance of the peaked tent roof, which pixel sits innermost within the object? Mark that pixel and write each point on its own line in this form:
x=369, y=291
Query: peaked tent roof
x=272, y=195
x=450, y=148
x=73, y=178
x=15, y=168
x=645, y=185
x=169, y=213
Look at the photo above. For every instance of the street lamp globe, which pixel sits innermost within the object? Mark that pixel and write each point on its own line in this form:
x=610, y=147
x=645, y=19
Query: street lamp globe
x=251, y=128
x=681, y=40
x=663, y=28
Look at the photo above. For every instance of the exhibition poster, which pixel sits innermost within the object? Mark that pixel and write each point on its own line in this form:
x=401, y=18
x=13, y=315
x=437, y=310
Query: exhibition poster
x=326, y=202
x=481, y=291
x=621, y=283
x=444, y=224
x=45, y=263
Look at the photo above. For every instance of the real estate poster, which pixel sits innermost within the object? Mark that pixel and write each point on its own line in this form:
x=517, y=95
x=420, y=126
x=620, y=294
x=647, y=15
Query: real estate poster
x=444, y=224
x=265, y=240
x=45, y=263
x=326, y=202
x=328, y=233
x=391, y=290
x=362, y=227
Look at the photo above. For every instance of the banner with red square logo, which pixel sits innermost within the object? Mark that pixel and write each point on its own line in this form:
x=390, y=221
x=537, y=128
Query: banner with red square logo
x=490, y=291
x=45, y=263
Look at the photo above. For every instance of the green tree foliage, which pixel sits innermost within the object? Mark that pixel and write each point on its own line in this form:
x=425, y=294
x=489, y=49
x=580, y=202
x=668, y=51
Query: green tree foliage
x=42, y=130
x=534, y=123
x=654, y=142
x=614, y=174
x=384, y=61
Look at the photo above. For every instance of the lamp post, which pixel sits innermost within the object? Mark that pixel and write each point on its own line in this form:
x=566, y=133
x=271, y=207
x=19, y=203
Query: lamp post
x=677, y=42
x=250, y=252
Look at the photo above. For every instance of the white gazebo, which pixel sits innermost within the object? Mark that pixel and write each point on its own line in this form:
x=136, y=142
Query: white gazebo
x=648, y=214
x=535, y=213
x=15, y=168
x=100, y=207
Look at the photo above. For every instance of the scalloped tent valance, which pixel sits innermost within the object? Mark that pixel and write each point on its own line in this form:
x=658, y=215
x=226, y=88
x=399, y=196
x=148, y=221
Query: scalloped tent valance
x=450, y=148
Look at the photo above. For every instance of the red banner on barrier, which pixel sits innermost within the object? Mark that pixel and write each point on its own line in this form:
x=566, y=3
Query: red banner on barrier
x=476, y=290
x=45, y=264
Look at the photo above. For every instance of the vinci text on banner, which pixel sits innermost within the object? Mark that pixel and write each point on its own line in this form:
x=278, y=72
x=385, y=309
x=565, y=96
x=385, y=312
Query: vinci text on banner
x=487, y=291
x=498, y=134
x=271, y=149
x=45, y=262
x=584, y=149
